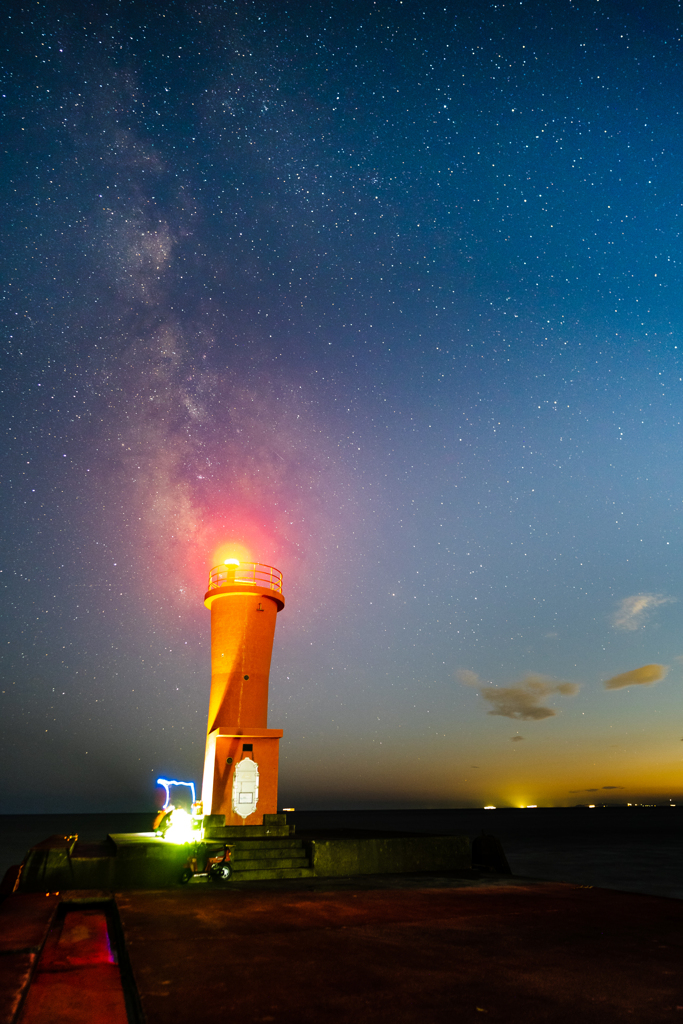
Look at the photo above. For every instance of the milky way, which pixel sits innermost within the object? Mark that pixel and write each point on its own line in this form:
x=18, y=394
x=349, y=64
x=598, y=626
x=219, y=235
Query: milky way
x=388, y=296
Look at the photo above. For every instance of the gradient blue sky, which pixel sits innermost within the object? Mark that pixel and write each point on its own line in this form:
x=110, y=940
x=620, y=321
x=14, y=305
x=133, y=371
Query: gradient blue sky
x=387, y=295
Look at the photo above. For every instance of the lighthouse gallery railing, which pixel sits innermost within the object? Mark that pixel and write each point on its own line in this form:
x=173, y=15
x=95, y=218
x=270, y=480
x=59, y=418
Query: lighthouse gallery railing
x=254, y=574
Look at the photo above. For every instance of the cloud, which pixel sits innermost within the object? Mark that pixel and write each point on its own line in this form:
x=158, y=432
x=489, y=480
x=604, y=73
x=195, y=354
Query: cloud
x=468, y=678
x=525, y=700
x=632, y=612
x=646, y=675
x=516, y=739
x=594, y=789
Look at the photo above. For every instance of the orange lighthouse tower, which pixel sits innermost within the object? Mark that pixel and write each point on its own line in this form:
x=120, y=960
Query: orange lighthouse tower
x=241, y=760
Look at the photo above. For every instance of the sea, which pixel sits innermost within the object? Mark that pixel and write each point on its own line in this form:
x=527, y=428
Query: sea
x=632, y=849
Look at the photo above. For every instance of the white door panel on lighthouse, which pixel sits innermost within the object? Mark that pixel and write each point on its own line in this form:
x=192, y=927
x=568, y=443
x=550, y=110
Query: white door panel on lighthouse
x=245, y=788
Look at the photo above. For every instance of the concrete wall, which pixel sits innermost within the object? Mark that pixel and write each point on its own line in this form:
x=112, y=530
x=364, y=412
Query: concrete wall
x=335, y=857
x=148, y=863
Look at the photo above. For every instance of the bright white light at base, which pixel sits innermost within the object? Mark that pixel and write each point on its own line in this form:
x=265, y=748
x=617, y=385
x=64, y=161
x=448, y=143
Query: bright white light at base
x=180, y=829
x=490, y=807
x=531, y=806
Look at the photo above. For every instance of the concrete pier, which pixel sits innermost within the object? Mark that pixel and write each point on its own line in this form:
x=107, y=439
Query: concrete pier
x=142, y=860
x=391, y=949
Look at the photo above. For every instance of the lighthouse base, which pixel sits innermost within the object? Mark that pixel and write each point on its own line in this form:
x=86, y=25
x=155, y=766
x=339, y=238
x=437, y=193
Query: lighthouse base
x=223, y=788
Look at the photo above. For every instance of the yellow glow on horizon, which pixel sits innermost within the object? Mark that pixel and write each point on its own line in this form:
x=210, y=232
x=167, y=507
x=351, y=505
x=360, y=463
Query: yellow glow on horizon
x=512, y=800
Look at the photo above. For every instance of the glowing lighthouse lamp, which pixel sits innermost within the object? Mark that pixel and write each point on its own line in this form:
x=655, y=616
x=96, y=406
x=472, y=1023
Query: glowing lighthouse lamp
x=241, y=759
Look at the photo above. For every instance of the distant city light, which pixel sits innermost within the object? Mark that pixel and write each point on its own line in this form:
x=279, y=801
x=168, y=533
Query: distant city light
x=490, y=807
x=591, y=806
x=286, y=809
x=531, y=806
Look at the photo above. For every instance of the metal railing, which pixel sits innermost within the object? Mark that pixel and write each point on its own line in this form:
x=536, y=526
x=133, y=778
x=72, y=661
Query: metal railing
x=254, y=574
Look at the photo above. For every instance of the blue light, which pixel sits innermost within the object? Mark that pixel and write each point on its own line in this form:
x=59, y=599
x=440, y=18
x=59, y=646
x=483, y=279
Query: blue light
x=167, y=783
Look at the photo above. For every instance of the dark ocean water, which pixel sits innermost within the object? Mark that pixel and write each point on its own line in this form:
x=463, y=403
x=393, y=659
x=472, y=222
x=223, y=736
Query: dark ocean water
x=635, y=849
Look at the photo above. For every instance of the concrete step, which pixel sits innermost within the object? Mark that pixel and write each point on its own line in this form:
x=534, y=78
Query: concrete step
x=242, y=831
x=270, y=858
x=259, y=874
x=240, y=866
x=251, y=853
x=265, y=844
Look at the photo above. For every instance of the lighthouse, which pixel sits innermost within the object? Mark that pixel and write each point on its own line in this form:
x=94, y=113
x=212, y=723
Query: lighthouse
x=241, y=759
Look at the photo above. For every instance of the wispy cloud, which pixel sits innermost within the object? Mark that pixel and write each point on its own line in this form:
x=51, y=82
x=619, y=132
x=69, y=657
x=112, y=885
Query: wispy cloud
x=526, y=699
x=633, y=611
x=516, y=739
x=646, y=675
x=468, y=678
x=594, y=789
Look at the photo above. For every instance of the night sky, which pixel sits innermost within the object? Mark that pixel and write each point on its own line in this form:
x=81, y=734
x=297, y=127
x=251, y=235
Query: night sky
x=387, y=295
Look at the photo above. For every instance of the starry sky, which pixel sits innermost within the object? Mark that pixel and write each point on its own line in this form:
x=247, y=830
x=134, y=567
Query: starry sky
x=385, y=294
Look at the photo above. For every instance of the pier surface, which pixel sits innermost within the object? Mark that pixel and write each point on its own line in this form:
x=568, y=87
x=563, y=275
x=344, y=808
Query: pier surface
x=399, y=949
